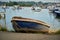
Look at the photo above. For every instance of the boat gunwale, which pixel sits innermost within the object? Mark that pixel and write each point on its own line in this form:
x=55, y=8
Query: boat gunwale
x=31, y=20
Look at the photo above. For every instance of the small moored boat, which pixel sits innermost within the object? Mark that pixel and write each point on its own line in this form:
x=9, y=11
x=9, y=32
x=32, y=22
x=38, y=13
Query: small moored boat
x=57, y=12
x=28, y=25
x=36, y=9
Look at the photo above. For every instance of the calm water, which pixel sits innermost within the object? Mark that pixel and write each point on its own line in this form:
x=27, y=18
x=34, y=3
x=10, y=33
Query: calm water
x=26, y=12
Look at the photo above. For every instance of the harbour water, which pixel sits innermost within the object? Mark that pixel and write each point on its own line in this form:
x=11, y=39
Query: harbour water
x=27, y=12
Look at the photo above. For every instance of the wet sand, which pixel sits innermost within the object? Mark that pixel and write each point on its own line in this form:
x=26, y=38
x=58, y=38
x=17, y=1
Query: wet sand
x=27, y=36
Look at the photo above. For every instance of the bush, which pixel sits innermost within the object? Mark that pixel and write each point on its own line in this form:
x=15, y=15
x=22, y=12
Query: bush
x=3, y=29
x=0, y=16
x=57, y=32
x=0, y=27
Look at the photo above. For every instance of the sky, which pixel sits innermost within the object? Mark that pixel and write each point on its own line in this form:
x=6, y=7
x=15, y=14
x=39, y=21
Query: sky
x=34, y=0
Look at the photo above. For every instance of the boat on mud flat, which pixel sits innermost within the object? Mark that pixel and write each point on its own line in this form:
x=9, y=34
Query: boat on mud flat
x=29, y=25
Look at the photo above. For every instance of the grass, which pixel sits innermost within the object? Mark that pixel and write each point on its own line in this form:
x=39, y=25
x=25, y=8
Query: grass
x=0, y=16
x=3, y=29
x=0, y=29
x=57, y=32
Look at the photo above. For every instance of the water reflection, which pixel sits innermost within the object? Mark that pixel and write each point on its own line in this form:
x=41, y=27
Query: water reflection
x=56, y=21
x=58, y=18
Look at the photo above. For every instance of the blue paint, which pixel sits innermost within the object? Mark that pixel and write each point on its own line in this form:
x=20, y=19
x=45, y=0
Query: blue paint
x=30, y=25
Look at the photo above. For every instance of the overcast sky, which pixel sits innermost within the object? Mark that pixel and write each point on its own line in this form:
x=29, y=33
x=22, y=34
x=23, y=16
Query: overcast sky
x=34, y=0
